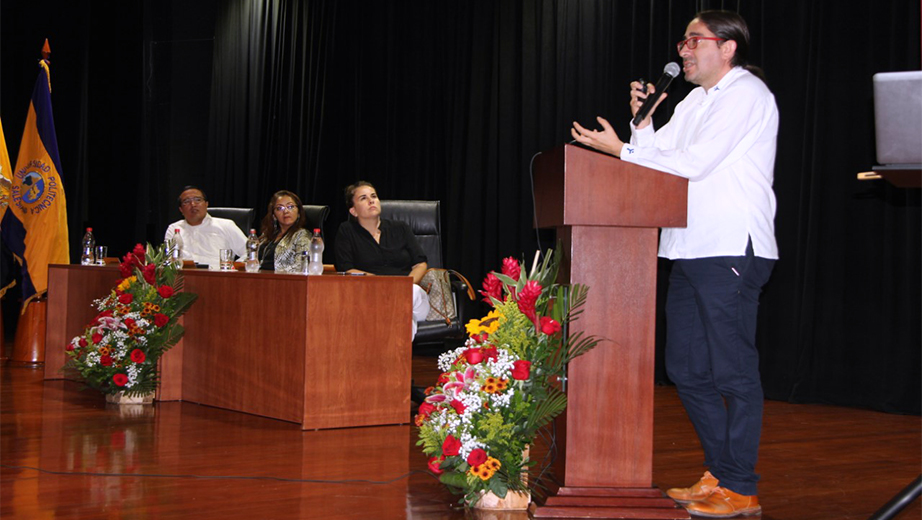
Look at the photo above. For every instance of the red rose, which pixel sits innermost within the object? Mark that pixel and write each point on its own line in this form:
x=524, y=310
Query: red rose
x=521, y=370
x=511, y=268
x=161, y=319
x=106, y=360
x=82, y=342
x=120, y=379
x=527, y=297
x=69, y=347
x=434, y=463
x=490, y=353
x=126, y=298
x=165, y=291
x=97, y=337
x=451, y=446
x=549, y=326
x=492, y=288
x=458, y=406
x=473, y=355
x=137, y=355
x=426, y=408
x=477, y=457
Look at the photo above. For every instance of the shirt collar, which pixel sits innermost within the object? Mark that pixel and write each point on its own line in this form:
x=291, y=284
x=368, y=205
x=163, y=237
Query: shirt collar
x=206, y=220
x=728, y=78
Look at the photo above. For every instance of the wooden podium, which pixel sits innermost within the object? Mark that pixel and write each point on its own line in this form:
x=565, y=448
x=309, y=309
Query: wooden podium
x=607, y=213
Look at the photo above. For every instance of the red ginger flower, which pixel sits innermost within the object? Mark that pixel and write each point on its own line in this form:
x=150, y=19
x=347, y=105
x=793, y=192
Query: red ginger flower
x=492, y=287
x=511, y=268
x=149, y=272
x=527, y=297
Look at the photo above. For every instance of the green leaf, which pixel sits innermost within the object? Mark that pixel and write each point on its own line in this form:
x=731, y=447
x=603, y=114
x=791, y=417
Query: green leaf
x=183, y=302
x=498, y=487
x=454, y=479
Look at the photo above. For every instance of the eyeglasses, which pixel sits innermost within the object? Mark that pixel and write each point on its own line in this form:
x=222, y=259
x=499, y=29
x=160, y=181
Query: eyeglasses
x=188, y=201
x=289, y=207
x=693, y=42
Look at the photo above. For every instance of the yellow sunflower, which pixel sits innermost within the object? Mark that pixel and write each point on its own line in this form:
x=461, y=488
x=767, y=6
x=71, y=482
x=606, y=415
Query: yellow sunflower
x=482, y=472
x=488, y=324
x=126, y=283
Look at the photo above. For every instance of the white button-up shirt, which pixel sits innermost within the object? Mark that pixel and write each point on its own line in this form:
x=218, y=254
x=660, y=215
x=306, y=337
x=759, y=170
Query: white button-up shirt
x=202, y=243
x=723, y=141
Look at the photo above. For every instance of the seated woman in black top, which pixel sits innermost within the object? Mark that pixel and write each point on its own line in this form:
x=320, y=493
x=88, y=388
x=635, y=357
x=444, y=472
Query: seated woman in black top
x=284, y=239
x=369, y=244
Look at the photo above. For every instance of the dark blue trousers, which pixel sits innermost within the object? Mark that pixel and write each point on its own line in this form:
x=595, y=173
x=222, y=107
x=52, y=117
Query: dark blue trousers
x=711, y=308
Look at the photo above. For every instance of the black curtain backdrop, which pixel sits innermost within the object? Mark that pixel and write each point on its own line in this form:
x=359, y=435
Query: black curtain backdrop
x=450, y=101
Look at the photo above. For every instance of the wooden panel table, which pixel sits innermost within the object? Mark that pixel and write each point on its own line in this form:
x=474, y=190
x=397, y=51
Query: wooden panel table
x=323, y=351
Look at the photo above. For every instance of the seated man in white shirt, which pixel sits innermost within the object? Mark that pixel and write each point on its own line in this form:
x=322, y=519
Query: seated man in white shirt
x=204, y=236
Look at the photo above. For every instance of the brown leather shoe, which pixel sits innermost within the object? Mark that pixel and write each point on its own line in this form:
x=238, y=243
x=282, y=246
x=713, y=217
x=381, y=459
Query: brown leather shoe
x=699, y=491
x=724, y=503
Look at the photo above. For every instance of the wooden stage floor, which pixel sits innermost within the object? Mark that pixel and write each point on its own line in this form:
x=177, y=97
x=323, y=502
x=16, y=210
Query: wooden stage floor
x=66, y=454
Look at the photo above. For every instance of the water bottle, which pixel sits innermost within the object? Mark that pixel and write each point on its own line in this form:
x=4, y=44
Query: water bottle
x=175, y=246
x=316, y=250
x=252, y=258
x=87, y=257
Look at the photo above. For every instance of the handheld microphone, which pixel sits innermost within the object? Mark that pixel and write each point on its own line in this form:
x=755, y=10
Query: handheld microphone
x=670, y=71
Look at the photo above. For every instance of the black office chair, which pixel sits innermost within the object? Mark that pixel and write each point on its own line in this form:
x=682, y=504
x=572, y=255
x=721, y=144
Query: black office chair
x=243, y=217
x=316, y=216
x=423, y=217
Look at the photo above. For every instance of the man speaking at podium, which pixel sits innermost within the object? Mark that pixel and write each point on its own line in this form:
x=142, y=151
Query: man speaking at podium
x=722, y=138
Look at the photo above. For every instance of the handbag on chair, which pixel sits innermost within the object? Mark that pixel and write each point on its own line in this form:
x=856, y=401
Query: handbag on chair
x=437, y=283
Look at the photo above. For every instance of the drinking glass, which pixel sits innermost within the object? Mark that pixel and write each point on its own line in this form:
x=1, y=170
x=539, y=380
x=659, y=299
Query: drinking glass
x=227, y=259
x=101, y=253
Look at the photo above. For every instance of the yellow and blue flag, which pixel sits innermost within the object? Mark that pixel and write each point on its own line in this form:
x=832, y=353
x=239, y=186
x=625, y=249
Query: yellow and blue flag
x=34, y=227
x=6, y=280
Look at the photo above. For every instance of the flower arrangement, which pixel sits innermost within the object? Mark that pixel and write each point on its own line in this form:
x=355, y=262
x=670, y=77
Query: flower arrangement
x=136, y=324
x=498, y=390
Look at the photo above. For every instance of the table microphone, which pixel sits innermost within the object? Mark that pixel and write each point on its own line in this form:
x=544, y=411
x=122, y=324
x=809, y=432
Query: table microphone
x=670, y=71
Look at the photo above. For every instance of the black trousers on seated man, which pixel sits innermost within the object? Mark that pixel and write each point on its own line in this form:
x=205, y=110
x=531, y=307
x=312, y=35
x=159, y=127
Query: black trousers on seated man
x=711, y=308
